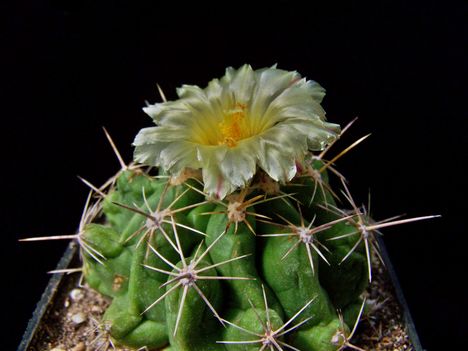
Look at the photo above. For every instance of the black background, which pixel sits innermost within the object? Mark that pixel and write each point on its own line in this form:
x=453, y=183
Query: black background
x=71, y=68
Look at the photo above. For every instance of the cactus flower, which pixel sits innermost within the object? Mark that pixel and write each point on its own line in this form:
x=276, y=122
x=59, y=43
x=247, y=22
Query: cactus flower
x=268, y=118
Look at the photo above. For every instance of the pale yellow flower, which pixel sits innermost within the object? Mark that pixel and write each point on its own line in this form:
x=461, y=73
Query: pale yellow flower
x=267, y=118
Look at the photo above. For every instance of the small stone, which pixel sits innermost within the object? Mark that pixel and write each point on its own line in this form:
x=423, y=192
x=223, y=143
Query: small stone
x=76, y=294
x=57, y=349
x=67, y=303
x=79, y=347
x=78, y=318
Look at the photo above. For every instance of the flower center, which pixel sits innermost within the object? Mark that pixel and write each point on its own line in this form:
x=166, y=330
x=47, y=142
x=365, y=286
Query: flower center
x=232, y=127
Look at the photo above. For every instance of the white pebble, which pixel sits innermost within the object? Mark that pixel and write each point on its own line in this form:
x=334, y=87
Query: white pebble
x=78, y=318
x=79, y=347
x=76, y=294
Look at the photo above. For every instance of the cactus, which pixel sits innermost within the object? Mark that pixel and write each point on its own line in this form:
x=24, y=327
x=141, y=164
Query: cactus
x=225, y=234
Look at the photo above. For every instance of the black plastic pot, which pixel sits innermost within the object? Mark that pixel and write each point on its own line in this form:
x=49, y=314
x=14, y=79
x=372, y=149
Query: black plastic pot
x=71, y=254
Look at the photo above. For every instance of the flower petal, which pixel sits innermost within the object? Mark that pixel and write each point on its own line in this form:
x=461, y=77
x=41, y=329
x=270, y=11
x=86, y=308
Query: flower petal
x=270, y=84
x=238, y=165
x=148, y=149
x=241, y=83
x=278, y=164
x=176, y=156
x=215, y=183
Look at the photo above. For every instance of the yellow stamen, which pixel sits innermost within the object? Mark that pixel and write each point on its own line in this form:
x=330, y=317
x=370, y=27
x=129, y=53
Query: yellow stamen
x=231, y=126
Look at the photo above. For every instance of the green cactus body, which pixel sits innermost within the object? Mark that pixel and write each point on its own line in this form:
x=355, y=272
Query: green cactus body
x=238, y=243
x=344, y=281
x=199, y=328
x=134, y=276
